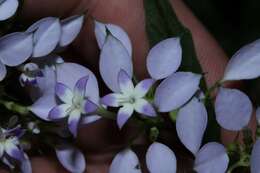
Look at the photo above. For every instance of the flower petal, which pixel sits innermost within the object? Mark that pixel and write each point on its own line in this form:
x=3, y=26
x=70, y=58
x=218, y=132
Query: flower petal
x=80, y=87
x=111, y=100
x=164, y=58
x=124, y=114
x=160, y=158
x=143, y=107
x=16, y=48
x=176, y=90
x=59, y=112
x=74, y=120
x=126, y=161
x=255, y=158
x=46, y=37
x=245, y=63
x=125, y=82
x=71, y=158
x=117, y=32
x=47, y=83
x=13, y=151
x=3, y=71
x=8, y=9
x=143, y=87
x=8, y=162
x=43, y=106
x=25, y=165
x=89, y=106
x=64, y=93
x=113, y=58
x=89, y=119
x=121, y=35
x=212, y=158
x=70, y=73
x=233, y=109
x=100, y=33
x=190, y=133
x=70, y=29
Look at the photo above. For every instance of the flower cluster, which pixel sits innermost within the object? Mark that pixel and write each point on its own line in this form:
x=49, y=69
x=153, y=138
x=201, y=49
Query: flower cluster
x=65, y=96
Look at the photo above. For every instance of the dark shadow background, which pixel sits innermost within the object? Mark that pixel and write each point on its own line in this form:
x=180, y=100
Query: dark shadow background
x=233, y=23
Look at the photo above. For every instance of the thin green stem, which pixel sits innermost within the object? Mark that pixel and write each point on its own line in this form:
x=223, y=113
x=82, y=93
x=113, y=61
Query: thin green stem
x=211, y=89
x=15, y=107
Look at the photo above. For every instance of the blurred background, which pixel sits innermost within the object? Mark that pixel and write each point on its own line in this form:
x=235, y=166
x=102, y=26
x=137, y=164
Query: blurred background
x=233, y=24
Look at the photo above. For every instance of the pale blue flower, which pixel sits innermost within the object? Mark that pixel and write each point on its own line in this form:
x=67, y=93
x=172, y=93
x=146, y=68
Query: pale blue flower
x=130, y=98
x=74, y=104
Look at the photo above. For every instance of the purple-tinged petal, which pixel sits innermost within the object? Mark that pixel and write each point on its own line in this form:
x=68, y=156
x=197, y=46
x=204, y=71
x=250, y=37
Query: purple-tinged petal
x=164, y=58
x=89, y=106
x=89, y=119
x=25, y=165
x=8, y=8
x=80, y=87
x=191, y=124
x=143, y=107
x=125, y=82
x=233, y=109
x=64, y=93
x=16, y=131
x=47, y=83
x=16, y=48
x=245, y=63
x=117, y=32
x=113, y=58
x=73, y=121
x=8, y=162
x=121, y=35
x=43, y=106
x=71, y=158
x=212, y=158
x=70, y=73
x=255, y=158
x=70, y=28
x=176, y=90
x=59, y=112
x=143, y=87
x=125, y=162
x=46, y=37
x=100, y=33
x=111, y=100
x=124, y=114
x=3, y=71
x=13, y=151
x=258, y=115
x=160, y=159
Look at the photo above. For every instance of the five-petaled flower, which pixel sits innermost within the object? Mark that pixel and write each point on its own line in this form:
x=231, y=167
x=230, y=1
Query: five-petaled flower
x=10, y=145
x=74, y=104
x=130, y=98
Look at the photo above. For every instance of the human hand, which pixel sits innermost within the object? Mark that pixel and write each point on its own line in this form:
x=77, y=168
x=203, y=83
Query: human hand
x=100, y=139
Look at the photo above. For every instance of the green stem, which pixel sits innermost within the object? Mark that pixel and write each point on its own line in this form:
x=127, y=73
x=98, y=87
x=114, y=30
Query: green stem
x=15, y=107
x=211, y=89
x=106, y=114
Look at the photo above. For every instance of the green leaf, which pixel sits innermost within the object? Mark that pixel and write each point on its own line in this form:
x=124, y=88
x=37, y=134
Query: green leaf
x=162, y=23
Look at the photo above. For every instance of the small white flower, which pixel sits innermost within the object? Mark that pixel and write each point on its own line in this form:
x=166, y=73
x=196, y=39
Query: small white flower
x=130, y=98
x=74, y=104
